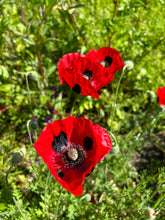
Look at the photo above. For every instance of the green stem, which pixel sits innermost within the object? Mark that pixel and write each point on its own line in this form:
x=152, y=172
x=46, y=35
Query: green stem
x=73, y=105
x=117, y=90
x=47, y=181
x=113, y=136
x=28, y=89
x=58, y=203
x=12, y=194
x=28, y=128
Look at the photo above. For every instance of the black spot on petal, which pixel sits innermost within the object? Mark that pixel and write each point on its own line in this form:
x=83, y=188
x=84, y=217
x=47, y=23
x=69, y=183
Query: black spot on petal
x=77, y=88
x=87, y=74
x=88, y=143
x=60, y=142
x=60, y=174
x=91, y=172
x=108, y=60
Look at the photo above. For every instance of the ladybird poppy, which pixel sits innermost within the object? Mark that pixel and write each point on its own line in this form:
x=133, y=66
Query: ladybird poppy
x=161, y=96
x=71, y=148
x=107, y=57
x=86, y=74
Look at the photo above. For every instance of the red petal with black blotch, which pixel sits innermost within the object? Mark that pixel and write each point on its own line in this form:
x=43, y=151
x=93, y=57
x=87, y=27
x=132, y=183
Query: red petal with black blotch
x=104, y=52
x=70, y=73
x=94, y=140
x=66, y=64
x=100, y=76
x=161, y=96
x=86, y=88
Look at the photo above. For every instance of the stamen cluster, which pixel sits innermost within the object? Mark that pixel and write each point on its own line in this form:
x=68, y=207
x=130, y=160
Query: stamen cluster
x=72, y=155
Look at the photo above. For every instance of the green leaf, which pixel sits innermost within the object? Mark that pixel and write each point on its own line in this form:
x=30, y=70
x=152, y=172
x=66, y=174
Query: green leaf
x=5, y=88
x=50, y=71
x=24, y=37
x=4, y=72
x=27, y=39
x=43, y=99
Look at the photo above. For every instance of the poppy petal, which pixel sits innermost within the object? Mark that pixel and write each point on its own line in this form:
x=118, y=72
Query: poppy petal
x=94, y=72
x=66, y=63
x=112, y=57
x=161, y=96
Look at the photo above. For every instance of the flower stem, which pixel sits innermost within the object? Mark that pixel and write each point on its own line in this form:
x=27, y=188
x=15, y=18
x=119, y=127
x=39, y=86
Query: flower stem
x=113, y=136
x=27, y=85
x=12, y=194
x=46, y=185
x=28, y=128
x=73, y=101
x=58, y=203
x=28, y=89
x=117, y=90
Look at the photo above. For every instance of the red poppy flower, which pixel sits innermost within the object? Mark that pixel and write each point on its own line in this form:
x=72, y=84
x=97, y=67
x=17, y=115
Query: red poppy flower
x=71, y=148
x=65, y=65
x=107, y=57
x=85, y=75
x=161, y=96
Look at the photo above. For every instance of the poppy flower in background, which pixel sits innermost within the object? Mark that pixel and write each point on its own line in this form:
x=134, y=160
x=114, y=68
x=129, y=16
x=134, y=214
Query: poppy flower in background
x=87, y=74
x=161, y=96
x=71, y=148
x=107, y=57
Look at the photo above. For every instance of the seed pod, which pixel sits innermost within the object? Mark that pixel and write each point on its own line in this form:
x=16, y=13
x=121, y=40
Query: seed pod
x=115, y=150
x=18, y=156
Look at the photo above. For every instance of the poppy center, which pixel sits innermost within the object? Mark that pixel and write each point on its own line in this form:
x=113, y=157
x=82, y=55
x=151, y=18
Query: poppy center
x=106, y=62
x=73, y=154
x=87, y=74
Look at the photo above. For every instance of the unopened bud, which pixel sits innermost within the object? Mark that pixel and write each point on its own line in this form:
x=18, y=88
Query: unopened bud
x=115, y=150
x=87, y=197
x=150, y=213
x=34, y=124
x=18, y=156
x=129, y=64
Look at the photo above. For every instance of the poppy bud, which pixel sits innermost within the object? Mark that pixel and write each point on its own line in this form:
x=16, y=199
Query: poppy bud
x=34, y=124
x=150, y=213
x=87, y=197
x=129, y=64
x=115, y=150
x=18, y=156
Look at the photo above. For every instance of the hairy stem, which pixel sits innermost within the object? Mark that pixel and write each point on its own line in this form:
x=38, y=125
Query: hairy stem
x=116, y=3
x=117, y=90
x=28, y=128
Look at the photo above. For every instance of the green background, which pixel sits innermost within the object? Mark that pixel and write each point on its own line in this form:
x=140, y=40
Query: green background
x=34, y=35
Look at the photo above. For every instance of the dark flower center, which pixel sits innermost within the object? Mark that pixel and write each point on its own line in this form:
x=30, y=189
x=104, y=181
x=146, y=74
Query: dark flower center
x=72, y=155
x=87, y=74
x=106, y=62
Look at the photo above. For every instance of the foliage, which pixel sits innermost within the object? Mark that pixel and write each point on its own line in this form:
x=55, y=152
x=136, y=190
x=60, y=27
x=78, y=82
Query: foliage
x=34, y=35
